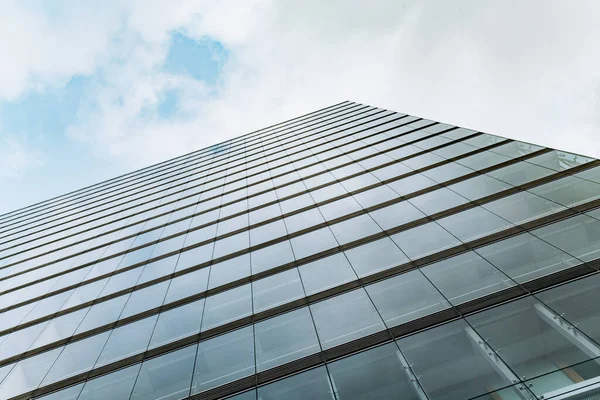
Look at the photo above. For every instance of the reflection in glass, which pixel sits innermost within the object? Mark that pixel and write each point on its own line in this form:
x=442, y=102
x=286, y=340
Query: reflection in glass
x=345, y=317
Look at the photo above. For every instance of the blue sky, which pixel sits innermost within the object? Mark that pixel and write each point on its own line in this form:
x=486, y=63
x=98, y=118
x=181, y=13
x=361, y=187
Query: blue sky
x=41, y=119
x=90, y=90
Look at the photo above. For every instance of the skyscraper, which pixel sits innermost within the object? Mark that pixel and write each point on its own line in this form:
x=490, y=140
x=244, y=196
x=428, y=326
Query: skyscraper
x=350, y=253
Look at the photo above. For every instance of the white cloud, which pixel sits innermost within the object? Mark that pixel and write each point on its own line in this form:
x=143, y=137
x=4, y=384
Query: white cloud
x=17, y=157
x=525, y=70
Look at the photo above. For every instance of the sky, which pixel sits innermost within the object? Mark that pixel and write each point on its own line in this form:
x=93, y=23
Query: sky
x=94, y=89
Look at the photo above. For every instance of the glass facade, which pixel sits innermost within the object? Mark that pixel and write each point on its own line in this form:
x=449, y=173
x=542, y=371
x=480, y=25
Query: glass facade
x=349, y=253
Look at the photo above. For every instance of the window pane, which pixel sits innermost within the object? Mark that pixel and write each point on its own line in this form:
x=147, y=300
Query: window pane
x=177, y=323
x=145, y=299
x=424, y=240
x=71, y=393
x=376, y=256
x=76, y=357
x=312, y=384
x=579, y=236
x=271, y=256
x=466, y=277
x=116, y=385
x=28, y=373
x=167, y=377
x=303, y=220
x=568, y=191
x=373, y=374
x=438, y=200
x=474, y=223
x=285, y=338
x=405, y=297
x=187, y=285
x=326, y=273
x=478, y=187
x=277, y=289
x=522, y=207
x=127, y=340
x=345, y=317
x=224, y=359
x=525, y=257
x=313, y=242
x=227, y=306
x=449, y=363
x=354, y=229
x=396, y=215
x=103, y=313
x=523, y=334
x=229, y=271
x=231, y=244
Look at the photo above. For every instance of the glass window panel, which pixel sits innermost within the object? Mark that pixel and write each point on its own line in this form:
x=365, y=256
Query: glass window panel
x=116, y=385
x=145, y=299
x=446, y=172
x=520, y=173
x=354, y=229
x=360, y=182
x=483, y=160
x=28, y=373
x=579, y=236
x=406, y=297
x=424, y=240
x=411, y=184
x=229, y=271
x=187, y=285
x=231, y=244
x=71, y=393
x=200, y=235
x=224, y=359
x=303, y=220
x=339, y=208
x=326, y=273
x=478, y=187
x=122, y=281
x=375, y=196
x=277, y=289
x=474, y=223
x=19, y=341
x=449, y=364
x=559, y=160
x=264, y=214
x=76, y=357
x=313, y=243
x=516, y=149
x=375, y=256
x=232, y=224
x=345, y=317
x=285, y=338
x=391, y=171
x=592, y=174
x=195, y=256
x=47, y=306
x=438, y=200
x=167, y=377
x=396, y=215
x=568, y=191
x=466, y=277
x=177, y=323
x=328, y=192
x=59, y=328
x=296, y=203
x=271, y=256
x=526, y=341
x=103, y=313
x=522, y=207
x=158, y=268
x=267, y=232
x=227, y=306
x=127, y=340
x=373, y=374
x=525, y=257
x=312, y=384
